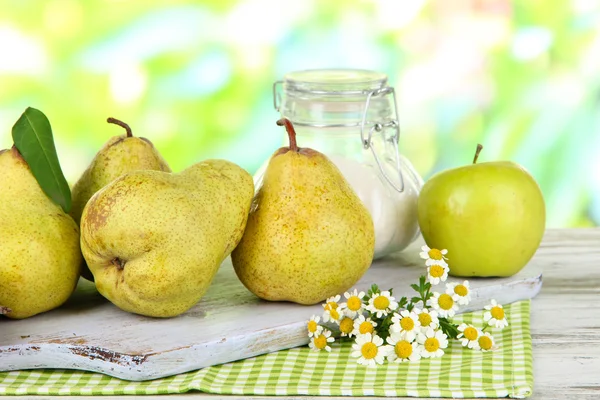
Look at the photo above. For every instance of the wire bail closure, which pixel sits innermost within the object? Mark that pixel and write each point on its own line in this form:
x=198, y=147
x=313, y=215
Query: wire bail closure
x=377, y=127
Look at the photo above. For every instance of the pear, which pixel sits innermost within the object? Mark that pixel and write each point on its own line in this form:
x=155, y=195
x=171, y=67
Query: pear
x=120, y=154
x=154, y=240
x=39, y=251
x=308, y=236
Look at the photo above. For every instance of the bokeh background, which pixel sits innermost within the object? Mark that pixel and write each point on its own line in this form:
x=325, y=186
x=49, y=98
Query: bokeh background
x=522, y=77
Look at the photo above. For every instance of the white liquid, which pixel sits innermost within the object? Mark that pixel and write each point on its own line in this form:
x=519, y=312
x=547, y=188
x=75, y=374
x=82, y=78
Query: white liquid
x=394, y=214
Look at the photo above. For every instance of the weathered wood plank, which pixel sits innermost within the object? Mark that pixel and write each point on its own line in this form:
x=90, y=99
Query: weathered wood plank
x=230, y=323
x=565, y=322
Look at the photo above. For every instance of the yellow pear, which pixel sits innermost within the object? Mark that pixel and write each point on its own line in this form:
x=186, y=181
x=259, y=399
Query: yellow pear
x=308, y=236
x=39, y=243
x=154, y=240
x=120, y=154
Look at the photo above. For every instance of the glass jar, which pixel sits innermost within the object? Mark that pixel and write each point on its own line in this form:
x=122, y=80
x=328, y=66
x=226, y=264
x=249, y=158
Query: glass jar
x=351, y=117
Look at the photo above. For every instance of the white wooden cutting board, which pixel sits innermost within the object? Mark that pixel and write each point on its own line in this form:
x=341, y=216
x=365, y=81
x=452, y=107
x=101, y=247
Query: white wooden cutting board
x=229, y=323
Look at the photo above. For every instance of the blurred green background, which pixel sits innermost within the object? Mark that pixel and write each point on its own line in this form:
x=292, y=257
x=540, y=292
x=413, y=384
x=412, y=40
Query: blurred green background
x=521, y=77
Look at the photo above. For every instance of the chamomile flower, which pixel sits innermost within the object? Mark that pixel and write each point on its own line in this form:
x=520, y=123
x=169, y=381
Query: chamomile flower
x=469, y=336
x=433, y=343
x=346, y=326
x=486, y=342
x=444, y=304
x=437, y=273
x=407, y=323
x=332, y=311
x=399, y=349
x=382, y=304
x=354, y=303
x=321, y=341
x=434, y=256
x=494, y=315
x=313, y=326
x=427, y=318
x=363, y=325
x=369, y=350
x=462, y=290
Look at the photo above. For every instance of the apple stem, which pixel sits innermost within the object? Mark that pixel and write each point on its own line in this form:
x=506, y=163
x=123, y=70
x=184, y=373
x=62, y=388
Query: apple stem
x=115, y=121
x=290, y=131
x=4, y=310
x=479, y=148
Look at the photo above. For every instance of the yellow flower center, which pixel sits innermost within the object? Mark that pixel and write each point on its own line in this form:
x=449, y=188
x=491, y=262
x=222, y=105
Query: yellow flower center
x=365, y=327
x=437, y=271
x=403, y=349
x=320, y=342
x=461, y=290
x=407, y=323
x=346, y=325
x=425, y=319
x=485, y=342
x=445, y=301
x=381, y=302
x=369, y=350
x=435, y=254
x=332, y=305
x=470, y=333
x=432, y=344
x=334, y=314
x=354, y=303
x=312, y=326
x=497, y=312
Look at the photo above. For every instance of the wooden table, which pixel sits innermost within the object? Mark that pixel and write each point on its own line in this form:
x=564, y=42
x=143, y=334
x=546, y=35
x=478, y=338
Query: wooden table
x=565, y=321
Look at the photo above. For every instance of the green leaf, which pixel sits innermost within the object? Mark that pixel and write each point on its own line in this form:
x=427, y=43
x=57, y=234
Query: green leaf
x=402, y=302
x=371, y=292
x=32, y=136
x=449, y=328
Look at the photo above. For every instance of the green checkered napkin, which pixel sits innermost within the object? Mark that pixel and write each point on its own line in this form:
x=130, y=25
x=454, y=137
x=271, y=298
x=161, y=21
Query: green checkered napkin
x=461, y=372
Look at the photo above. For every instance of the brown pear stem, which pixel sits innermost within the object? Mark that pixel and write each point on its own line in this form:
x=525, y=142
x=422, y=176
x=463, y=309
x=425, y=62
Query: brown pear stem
x=115, y=121
x=4, y=310
x=117, y=262
x=290, y=131
x=479, y=148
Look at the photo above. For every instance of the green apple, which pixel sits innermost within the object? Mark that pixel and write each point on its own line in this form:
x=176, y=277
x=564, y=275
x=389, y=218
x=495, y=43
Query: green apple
x=490, y=216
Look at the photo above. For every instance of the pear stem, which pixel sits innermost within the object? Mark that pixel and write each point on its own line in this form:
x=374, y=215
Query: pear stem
x=117, y=262
x=290, y=131
x=115, y=121
x=477, y=151
x=4, y=310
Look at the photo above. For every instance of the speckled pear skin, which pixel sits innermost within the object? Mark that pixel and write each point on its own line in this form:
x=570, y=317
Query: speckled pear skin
x=119, y=155
x=154, y=240
x=308, y=236
x=39, y=243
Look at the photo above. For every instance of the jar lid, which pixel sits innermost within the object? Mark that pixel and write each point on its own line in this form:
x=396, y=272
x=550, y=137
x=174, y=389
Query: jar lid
x=335, y=81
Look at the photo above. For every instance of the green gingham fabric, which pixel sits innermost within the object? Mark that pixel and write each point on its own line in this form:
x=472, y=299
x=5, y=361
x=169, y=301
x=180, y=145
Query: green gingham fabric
x=506, y=372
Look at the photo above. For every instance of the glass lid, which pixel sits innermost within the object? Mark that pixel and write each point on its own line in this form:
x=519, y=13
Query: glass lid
x=335, y=81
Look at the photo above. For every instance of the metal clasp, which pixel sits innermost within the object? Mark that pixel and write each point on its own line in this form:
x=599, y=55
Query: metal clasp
x=378, y=127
